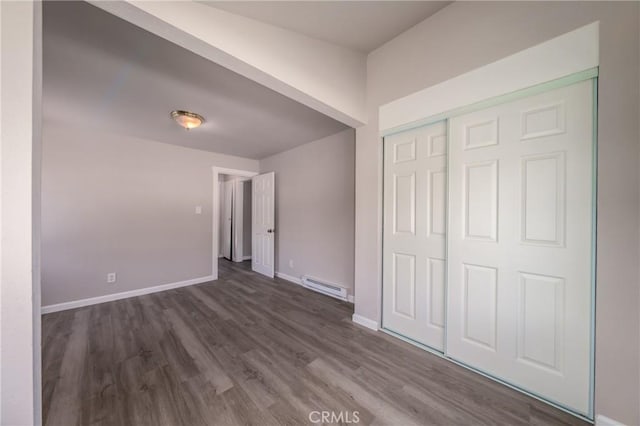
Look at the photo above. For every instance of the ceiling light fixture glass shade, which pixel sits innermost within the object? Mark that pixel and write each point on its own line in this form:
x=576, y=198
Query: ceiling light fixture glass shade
x=188, y=120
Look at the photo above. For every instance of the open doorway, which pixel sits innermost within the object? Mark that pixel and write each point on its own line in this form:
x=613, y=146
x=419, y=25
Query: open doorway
x=235, y=218
x=232, y=216
x=259, y=204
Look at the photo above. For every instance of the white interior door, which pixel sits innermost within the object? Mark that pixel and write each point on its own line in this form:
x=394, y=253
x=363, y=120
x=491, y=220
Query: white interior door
x=414, y=234
x=227, y=218
x=263, y=224
x=520, y=243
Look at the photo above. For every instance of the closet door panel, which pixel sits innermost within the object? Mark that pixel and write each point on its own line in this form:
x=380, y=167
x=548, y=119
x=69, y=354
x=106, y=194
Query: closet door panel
x=414, y=264
x=520, y=243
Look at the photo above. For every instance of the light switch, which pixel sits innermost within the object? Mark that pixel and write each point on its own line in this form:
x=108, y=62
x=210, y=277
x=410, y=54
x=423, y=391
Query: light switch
x=198, y=209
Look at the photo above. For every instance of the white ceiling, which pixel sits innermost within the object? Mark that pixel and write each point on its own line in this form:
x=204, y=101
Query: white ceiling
x=105, y=74
x=358, y=25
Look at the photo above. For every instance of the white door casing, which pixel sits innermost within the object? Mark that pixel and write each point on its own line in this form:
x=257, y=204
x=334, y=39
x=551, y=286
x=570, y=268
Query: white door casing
x=520, y=243
x=415, y=234
x=263, y=224
x=227, y=217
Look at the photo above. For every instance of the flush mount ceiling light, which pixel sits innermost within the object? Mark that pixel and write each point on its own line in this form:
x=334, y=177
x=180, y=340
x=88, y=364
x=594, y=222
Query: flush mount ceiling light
x=188, y=120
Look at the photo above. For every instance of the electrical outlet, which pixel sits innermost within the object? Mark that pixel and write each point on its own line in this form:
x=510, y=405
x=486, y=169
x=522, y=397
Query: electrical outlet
x=291, y=263
x=111, y=277
x=198, y=209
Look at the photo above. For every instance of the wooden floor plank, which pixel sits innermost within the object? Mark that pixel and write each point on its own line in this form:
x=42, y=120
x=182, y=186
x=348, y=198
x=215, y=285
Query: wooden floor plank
x=249, y=350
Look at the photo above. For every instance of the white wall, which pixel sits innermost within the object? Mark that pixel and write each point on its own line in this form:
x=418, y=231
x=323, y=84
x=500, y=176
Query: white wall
x=467, y=35
x=315, y=208
x=20, y=99
x=321, y=75
x=118, y=204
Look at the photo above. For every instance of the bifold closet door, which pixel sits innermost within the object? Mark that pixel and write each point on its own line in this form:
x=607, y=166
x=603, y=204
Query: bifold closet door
x=414, y=234
x=520, y=243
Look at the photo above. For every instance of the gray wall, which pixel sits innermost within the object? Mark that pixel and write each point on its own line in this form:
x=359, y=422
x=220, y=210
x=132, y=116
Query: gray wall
x=124, y=205
x=315, y=208
x=467, y=35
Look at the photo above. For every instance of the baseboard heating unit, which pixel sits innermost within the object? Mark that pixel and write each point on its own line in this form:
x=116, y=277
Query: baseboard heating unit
x=329, y=289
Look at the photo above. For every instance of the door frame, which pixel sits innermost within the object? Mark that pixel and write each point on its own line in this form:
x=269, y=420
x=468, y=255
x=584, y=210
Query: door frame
x=215, y=212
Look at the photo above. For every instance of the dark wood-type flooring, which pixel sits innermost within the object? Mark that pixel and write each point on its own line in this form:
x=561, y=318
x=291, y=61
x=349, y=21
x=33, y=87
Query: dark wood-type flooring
x=250, y=350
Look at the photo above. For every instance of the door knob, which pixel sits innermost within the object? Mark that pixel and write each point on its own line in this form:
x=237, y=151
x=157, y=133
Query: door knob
x=270, y=231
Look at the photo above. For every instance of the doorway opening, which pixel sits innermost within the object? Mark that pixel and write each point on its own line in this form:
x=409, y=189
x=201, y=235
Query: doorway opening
x=235, y=218
x=232, y=213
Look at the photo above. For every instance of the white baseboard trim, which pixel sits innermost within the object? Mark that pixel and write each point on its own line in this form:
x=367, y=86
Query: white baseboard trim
x=123, y=295
x=246, y=257
x=606, y=421
x=290, y=278
x=365, y=322
x=298, y=281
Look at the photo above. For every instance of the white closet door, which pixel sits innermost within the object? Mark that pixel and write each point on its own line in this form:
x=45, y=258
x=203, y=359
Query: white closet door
x=520, y=243
x=414, y=234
